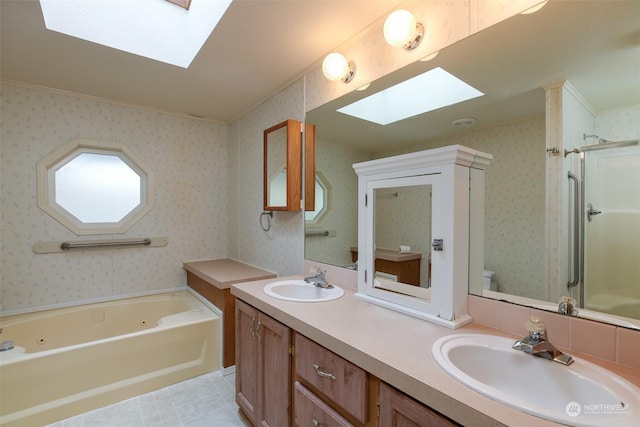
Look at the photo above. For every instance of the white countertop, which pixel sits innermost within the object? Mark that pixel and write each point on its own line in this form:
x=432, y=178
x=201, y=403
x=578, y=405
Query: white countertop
x=222, y=273
x=392, y=346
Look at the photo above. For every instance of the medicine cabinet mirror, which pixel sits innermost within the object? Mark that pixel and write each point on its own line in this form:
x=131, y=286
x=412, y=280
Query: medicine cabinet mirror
x=94, y=187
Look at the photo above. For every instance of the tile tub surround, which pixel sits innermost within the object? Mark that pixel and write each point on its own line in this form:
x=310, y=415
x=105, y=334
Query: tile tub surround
x=397, y=349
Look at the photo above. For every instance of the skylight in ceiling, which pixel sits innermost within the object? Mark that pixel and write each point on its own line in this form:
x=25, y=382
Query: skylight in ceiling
x=426, y=92
x=154, y=29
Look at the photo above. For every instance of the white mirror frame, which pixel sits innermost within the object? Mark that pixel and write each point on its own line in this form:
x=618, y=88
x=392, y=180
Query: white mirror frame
x=47, y=167
x=458, y=220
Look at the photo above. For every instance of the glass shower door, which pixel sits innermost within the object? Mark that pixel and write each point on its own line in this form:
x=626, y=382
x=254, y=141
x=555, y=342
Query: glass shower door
x=611, y=179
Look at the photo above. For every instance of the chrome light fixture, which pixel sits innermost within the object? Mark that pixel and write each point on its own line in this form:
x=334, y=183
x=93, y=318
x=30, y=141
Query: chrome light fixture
x=402, y=29
x=335, y=67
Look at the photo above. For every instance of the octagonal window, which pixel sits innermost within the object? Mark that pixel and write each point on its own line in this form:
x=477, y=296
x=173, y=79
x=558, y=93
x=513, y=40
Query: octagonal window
x=322, y=198
x=94, y=187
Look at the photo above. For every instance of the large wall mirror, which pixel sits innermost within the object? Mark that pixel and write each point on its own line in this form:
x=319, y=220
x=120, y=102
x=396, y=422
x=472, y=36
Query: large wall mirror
x=512, y=63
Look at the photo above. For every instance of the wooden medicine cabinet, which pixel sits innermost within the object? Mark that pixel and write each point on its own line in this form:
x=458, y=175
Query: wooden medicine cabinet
x=283, y=167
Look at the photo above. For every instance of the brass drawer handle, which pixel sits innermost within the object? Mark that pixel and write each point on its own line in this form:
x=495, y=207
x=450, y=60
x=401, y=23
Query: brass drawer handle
x=323, y=374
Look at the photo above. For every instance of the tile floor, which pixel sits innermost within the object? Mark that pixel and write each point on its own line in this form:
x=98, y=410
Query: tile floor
x=204, y=401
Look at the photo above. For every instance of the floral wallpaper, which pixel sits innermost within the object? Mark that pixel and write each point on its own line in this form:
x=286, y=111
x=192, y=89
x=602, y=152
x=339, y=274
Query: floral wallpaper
x=514, y=217
x=189, y=161
x=334, y=162
x=281, y=248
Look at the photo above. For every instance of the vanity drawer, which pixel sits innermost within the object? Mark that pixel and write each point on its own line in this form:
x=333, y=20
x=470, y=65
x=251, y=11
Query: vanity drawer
x=311, y=411
x=339, y=380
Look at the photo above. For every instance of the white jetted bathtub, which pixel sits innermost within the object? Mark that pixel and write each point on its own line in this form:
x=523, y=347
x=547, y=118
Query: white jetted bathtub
x=71, y=360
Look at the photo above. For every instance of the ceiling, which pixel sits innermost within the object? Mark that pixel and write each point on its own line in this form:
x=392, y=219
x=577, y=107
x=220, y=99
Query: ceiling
x=257, y=49
x=261, y=46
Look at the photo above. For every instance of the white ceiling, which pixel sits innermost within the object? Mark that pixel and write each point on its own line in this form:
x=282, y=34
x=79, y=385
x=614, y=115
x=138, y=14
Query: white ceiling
x=257, y=49
x=261, y=46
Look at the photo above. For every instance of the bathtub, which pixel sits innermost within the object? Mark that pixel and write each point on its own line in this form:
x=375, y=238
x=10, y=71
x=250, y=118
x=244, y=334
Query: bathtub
x=72, y=360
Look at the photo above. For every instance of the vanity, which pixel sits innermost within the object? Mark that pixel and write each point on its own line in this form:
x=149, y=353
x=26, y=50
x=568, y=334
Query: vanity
x=385, y=355
x=293, y=370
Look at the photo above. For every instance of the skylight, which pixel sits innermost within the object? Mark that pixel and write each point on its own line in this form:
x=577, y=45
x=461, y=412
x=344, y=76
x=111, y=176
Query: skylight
x=426, y=92
x=154, y=29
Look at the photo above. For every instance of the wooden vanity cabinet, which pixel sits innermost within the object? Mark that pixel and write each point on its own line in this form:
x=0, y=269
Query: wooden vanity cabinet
x=314, y=388
x=263, y=367
x=398, y=409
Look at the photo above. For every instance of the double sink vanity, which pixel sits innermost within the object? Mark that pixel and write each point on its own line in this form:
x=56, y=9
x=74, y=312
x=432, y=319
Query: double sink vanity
x=324, y=351
x=342, y=361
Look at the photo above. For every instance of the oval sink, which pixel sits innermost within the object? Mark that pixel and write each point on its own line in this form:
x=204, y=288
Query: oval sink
x=581, y=394
x=301, y=291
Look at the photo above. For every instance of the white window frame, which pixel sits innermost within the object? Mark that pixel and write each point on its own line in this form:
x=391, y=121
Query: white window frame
x=47, y=167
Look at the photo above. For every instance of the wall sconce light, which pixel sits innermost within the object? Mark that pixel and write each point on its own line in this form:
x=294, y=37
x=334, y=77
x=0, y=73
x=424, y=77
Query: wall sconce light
x=336, y=67
x=402, y=29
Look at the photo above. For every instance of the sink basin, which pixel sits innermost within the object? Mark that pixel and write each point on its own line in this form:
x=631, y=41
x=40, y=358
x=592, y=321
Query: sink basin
x=581, y=394
x=301, y=291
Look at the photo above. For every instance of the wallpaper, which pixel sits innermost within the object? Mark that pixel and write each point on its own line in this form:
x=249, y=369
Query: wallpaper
x=281, y=248
x=334, y=162
x=514, y=218
x=189, y=161
x=619, y=125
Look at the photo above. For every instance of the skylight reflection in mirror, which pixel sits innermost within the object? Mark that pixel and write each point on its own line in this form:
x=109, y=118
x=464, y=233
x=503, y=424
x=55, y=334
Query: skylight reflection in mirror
x=426, y=92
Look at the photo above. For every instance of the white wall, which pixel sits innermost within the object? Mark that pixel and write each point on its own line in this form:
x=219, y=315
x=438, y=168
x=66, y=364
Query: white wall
x=618, y=125
x=188, y=158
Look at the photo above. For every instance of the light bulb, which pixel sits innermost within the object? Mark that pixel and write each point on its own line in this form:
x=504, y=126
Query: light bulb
x=400, y=28
x=336, y=67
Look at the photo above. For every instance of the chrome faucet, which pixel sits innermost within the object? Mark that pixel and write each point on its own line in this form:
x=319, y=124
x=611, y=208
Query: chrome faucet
x=319, y=280
x=568, y=306
x=537, y=343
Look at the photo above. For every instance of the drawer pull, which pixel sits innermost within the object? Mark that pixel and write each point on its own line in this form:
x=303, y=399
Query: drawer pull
x=323, y=374
x=315, y=422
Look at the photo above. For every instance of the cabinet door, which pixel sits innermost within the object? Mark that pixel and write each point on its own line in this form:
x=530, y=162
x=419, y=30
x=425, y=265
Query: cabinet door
x=274, y=372
x=247, y=360
x=399, y=410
